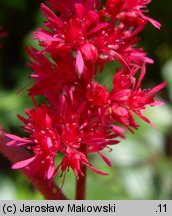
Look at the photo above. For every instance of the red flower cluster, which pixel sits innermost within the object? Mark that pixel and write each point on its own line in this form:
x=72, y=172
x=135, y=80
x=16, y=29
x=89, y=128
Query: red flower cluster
x=80, y=115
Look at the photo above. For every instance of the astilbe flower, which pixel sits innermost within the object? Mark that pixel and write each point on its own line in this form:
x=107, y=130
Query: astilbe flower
x=80, y=116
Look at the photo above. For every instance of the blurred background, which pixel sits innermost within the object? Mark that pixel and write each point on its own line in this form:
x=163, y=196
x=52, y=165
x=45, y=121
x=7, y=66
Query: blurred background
x=142, y=164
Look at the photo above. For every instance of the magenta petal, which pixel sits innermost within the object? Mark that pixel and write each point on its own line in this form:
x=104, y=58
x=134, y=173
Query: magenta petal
x=112, y=142
x=155, y=23
x=152, y=21
x=97, y=171
x=44, y=36
x=11, y=143
x=79, y=62
x=16, y=138
x=79, y=11
x=98, y=28
x=22, y=164
x=97, y=140
x=106, y=160
x=142, y=74
x=118, y=130
x=80, y=110
x=92, y=17
x=13, y=137
x=156, y=89
x=49, y=142
x=51, y=16
x=157, y=103
x=14, y=142
x=117, y=55
x=50, y=170
x=63, y=104
x=145, y=119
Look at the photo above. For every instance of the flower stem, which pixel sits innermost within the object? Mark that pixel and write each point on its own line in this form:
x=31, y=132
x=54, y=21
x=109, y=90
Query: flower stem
x=81, y=180
x=48, y=189
x=81, y=185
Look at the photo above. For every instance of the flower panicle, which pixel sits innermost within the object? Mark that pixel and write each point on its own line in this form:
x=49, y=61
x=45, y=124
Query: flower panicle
x=80, y=116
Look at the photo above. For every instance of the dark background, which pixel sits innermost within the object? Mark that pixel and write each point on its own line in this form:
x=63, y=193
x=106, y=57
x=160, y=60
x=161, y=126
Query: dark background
x=142, y=167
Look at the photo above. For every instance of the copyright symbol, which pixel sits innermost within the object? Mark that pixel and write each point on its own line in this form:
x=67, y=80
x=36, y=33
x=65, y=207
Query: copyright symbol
x=9, y=209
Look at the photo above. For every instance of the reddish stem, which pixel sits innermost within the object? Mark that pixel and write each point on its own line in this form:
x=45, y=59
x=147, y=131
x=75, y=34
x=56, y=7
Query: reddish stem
x=14, y=154
x=81, y=185
x=81, y=181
